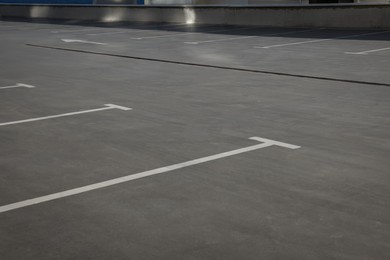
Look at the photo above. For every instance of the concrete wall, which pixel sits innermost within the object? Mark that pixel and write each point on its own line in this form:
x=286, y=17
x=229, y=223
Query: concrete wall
x=335, y=16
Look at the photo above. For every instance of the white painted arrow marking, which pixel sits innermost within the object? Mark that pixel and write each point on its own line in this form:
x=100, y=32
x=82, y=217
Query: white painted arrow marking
x=103, y=184
x=107, y=107
x=19, y=85
x=82, y=41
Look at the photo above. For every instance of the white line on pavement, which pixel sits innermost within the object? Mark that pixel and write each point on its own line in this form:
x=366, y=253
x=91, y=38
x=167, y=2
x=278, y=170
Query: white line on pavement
x=320, y=40
x=82, y=41
x=365, y=52
x=19, y=85
x=188, y=33
x=247, y=37
x=99, y=185
x=220, y=40
x=107, y=106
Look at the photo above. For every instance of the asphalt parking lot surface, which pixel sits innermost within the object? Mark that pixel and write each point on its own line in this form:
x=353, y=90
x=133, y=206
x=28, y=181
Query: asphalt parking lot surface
x=178, y=141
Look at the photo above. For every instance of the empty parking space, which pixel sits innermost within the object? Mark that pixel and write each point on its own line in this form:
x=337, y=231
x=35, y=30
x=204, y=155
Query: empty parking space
x=313, y=52
x=171, y=141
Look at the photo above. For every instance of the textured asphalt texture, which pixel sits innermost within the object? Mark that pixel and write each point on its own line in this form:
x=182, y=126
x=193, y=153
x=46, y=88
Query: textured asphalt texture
x=327, y=200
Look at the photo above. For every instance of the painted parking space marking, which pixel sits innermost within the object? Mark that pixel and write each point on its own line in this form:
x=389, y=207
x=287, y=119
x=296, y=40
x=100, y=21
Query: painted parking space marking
x=189, y=33
x=82, y=41
x=220, y=40
x=163, y=36
x=369, y=51
x=248, y=37
x=18, y=85
x=99, y=185
x=320, y=40
x=107, y=107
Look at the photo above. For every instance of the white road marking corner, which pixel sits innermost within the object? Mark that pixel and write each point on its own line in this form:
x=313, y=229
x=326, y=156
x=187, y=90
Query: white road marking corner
x=103, y=184
x=18, y=85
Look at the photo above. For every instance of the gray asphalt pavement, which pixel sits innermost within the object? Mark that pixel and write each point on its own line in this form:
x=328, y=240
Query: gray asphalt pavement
x=195, y=92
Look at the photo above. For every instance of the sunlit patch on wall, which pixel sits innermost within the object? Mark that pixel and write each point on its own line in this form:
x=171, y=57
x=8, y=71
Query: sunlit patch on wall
x=39, y=11
x=114, y=15
x=189, y=15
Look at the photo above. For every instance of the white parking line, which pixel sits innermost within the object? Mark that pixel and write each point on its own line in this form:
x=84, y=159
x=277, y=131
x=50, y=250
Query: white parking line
x=366, y=52
x=320, y=40
x=107, y=107
x=189, y=33
x=220, y=40
x=99, y=185
x=19, y=85
x=82, y=41
x=163, y=36
x=248, y=37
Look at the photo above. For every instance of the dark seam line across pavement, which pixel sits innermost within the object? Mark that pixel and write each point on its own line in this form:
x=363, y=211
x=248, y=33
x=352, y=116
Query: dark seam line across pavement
x=211, y=66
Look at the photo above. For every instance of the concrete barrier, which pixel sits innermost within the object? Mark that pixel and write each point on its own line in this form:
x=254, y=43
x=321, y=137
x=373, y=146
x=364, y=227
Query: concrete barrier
x=329, y=16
